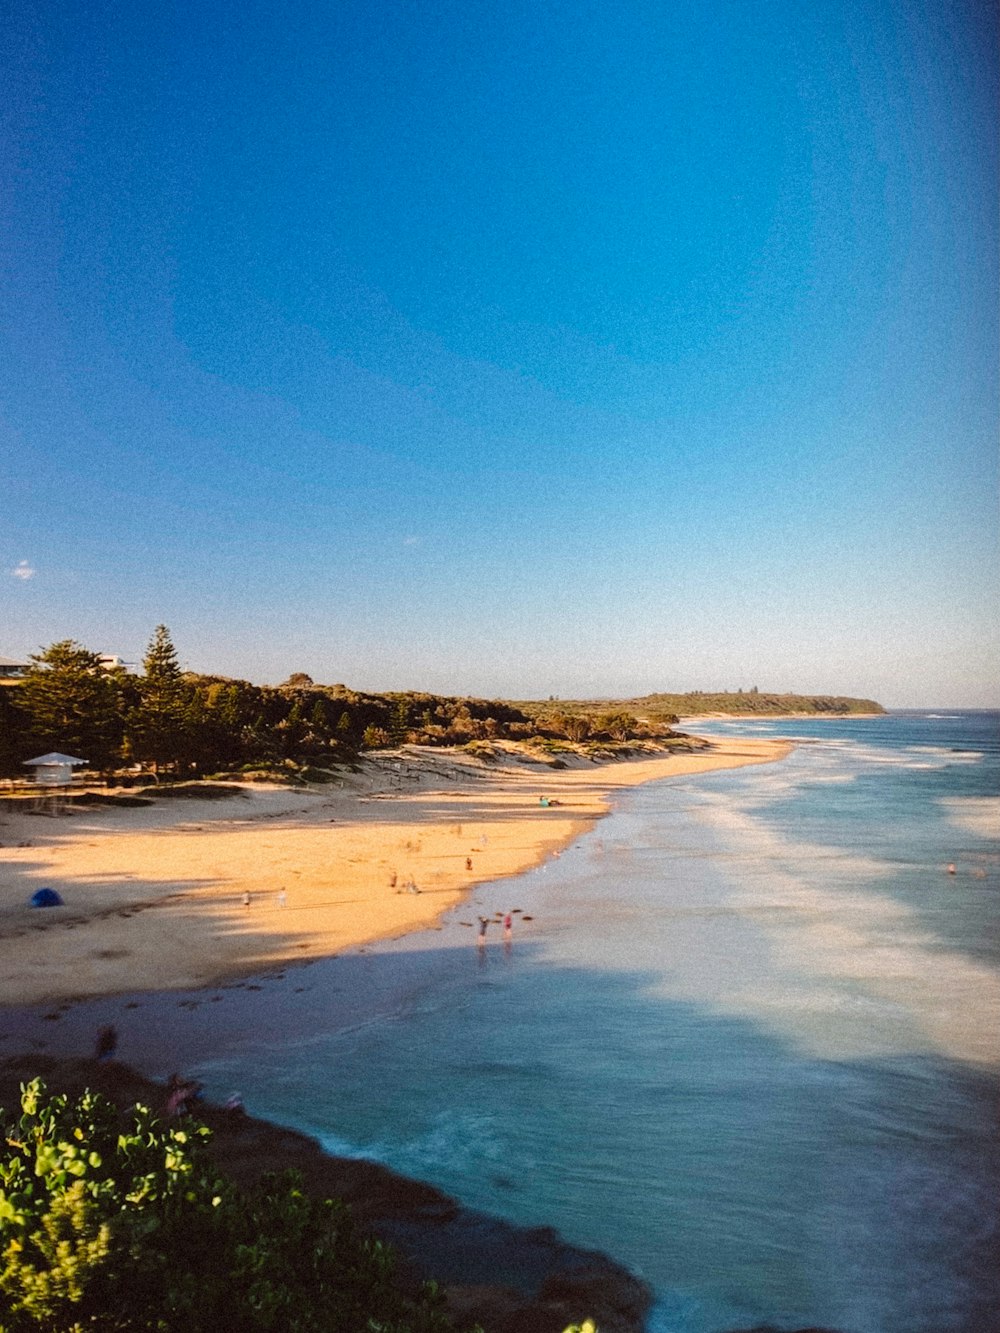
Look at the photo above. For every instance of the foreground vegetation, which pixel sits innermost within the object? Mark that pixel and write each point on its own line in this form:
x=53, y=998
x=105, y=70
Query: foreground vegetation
x=124, y=1224
x=114, y=1220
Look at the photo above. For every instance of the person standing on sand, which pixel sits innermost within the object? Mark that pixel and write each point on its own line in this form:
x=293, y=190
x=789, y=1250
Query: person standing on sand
x=107, y=1043
x=246, y=900
x=282, y=897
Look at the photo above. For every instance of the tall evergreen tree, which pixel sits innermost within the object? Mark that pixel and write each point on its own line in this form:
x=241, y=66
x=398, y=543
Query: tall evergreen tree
x=158, y=728
x=73, y=704
x=399, y=723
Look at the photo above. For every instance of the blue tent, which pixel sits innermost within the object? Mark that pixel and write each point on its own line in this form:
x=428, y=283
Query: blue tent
x=46, y=898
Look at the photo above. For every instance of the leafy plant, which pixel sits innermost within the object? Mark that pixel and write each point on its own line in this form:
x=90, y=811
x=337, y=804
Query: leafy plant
x=128, y=1227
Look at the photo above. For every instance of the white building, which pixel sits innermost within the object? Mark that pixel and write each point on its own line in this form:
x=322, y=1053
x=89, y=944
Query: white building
x=53, y=770
x=12, y=669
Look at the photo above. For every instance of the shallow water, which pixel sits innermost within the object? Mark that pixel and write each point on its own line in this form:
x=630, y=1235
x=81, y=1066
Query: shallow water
x=749, y=1044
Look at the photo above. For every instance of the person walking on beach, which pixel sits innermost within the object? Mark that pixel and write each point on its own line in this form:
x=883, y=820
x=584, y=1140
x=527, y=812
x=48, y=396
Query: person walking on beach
x=246, y=899
x=481, y=937
x=507, y=927
x=282, y=897
x=107, y=1043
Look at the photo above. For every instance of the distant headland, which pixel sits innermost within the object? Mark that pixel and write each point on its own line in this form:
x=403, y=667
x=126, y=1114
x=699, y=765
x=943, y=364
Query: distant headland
x=670, y=708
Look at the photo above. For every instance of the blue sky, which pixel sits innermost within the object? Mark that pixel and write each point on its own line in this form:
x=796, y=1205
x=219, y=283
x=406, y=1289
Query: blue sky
x=575, y=349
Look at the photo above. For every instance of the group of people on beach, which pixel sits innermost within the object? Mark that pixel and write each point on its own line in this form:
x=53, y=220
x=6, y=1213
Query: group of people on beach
x=484, y=921
x=281, y=898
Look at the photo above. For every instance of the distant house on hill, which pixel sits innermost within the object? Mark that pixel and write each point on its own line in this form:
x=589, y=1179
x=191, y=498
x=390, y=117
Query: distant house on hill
x=11, y=670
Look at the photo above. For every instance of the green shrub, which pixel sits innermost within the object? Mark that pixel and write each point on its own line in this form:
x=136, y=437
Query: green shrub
x=129, y=1228
x=481, y=750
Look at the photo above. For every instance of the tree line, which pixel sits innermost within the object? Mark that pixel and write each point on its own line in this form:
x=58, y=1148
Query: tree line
x=185, y=724
x=697, y=703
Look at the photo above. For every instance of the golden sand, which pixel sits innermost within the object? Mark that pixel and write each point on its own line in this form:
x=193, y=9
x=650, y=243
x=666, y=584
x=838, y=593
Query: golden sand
x=155, y=897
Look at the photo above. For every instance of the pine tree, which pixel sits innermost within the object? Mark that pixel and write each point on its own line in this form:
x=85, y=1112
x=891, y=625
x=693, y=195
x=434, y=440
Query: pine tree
x=73, y=704
x=399, y=723
x=158, y=730
x=290, y=729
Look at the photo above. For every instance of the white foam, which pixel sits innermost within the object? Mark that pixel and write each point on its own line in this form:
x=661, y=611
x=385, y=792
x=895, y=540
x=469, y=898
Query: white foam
x=338, y=1147
x=974, y=814
x=950, y=755
x=850, y=971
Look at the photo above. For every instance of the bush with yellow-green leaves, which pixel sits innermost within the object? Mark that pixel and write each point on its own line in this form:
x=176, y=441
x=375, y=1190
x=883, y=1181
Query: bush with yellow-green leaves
x=128, y=1227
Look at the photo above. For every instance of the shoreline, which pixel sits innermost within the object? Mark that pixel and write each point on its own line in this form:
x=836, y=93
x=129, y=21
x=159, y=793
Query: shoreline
x=156, y=897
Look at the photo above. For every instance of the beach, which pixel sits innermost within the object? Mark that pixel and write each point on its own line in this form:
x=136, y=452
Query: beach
x=743, y=1040
x=182, y=894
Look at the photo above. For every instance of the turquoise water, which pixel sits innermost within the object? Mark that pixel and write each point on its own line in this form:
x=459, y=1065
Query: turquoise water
x=748, y=1044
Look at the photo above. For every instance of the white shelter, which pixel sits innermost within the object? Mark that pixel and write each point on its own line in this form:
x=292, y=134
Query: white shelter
x=53, y=770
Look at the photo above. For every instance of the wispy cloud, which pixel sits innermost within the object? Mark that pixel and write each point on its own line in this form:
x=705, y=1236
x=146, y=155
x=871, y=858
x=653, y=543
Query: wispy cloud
x=23, y=570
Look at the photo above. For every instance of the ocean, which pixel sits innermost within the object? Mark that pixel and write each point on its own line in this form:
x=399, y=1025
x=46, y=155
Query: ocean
x=745, y=1038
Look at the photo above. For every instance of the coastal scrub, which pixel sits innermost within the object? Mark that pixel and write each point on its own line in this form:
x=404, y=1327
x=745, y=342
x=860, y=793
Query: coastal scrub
x=121, y=1222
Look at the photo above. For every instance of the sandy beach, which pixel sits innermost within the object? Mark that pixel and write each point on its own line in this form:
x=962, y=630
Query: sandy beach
x=156, y=897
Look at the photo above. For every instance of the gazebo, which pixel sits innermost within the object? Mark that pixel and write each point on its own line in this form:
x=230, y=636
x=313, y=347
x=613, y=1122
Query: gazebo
x=53, y=770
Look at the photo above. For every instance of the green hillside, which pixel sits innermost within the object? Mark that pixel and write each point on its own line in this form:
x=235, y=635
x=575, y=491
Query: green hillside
x=697, y=703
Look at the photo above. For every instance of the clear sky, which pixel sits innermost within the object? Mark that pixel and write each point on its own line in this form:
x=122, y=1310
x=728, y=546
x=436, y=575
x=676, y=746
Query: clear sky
x=575, y=348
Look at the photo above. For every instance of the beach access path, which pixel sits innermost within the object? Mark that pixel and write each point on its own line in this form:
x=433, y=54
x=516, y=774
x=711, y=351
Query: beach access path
x=183, y=894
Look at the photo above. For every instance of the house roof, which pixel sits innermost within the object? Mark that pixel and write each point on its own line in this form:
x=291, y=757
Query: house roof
x=43, y=761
